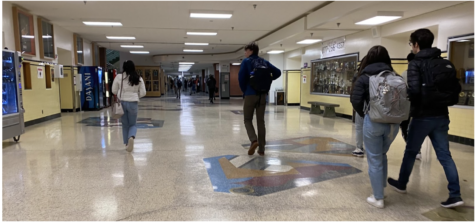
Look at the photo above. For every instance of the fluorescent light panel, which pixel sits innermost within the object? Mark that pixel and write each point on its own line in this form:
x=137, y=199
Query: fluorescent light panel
x=190, y=43
x=139, y=52
x=186, y=63
x=309, y=41
x=275, y=51
x=376, y=20
x=121, y=37
x=28, y=36
x=103, y=23
x=47, y=36
x=201, y=33
x=192, y=50
x=236, y=64
x=131, y=46
x=79, y=51
x=211, y=15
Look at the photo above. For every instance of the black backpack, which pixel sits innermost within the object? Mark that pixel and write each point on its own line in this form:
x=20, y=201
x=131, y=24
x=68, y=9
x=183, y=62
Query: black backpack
x=260, y=78
x=440, y=86
x=179, y=84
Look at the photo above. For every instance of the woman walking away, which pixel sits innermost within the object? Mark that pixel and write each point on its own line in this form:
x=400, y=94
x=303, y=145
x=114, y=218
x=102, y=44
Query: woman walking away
x=129, y=87
x=359, y=151
x=377, y=136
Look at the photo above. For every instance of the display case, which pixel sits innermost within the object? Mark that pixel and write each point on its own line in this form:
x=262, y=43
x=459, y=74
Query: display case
x=333, y=76
x=12, y=105
x=460, y=53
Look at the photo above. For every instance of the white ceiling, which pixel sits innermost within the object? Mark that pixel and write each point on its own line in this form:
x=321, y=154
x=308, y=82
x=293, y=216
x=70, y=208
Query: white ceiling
x=161, y=26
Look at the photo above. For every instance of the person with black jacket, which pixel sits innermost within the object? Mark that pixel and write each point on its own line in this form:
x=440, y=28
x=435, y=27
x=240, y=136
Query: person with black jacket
x=426, y=121
x=211, y=88
x=377, y=136
x=359, y=120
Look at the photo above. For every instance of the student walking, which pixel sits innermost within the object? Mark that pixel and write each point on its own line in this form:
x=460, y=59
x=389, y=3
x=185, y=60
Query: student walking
x=129, y=87
x=378, y=75
x=211, y=88
x=179, y=84
x=432, y=87
x=255, y=78
x=359, y=120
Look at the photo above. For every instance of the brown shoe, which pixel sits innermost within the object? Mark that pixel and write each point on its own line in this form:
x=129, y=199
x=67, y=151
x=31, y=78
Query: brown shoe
x=261, y=153
x=252, y=149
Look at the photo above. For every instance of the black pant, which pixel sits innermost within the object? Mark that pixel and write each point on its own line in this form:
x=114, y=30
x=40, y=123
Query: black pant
x=211, y=93
x=404, y=126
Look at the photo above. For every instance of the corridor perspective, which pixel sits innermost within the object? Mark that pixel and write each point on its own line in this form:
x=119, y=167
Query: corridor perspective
x=145, y=111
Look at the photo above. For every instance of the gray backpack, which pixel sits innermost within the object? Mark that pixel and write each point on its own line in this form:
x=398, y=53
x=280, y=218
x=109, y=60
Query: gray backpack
x=388, y=100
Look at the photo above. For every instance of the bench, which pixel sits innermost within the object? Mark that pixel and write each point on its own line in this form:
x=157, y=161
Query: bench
x=329, y=109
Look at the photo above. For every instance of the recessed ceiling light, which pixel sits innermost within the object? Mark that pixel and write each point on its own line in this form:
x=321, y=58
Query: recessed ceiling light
x=121, y=37
x=47, y=36
x=210, y=15
x=309, y=41
x=236, y=64
x=275, y=51
x=186, y=63
x=131, y=46
x=201, y=33
x=192, y=50
x=139, y=52
x=463, y=40
x=190, y=43
x=376, y=20
x=79, y=52
x=28, y=36
x=103, y=23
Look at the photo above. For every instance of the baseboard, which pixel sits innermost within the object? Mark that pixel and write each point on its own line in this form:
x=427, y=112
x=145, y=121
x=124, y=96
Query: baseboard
x=43, y=119
x=461, y=140
x=293, y=104
x=224, y=98
x=305, y=108
x=237, y=96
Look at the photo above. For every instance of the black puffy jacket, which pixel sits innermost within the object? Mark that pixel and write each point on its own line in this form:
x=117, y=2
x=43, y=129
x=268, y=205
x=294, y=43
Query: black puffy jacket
x=414, y=82
x=360, y=93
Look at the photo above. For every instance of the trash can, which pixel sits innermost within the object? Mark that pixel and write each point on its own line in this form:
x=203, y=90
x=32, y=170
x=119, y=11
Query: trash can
x=279, y=98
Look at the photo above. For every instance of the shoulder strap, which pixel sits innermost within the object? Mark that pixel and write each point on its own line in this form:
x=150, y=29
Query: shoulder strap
x=121, y=86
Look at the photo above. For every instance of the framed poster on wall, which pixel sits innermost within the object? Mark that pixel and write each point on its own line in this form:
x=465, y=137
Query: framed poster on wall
x=24, y=32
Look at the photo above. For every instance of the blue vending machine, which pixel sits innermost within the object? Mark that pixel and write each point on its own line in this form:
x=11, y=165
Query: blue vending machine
x=12, y=103
x=92, y=96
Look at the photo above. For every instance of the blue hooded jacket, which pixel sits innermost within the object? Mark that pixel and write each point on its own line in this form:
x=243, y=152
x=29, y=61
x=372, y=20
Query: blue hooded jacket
x=245, y=72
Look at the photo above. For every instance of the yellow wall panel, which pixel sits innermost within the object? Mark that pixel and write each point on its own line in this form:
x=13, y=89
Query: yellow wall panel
x=39, y=101
x=461, y=122
x=66, y=94
x=293, y=86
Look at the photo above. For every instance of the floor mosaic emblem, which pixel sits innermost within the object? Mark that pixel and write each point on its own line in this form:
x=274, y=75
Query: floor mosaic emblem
x=142, y=123
x=257, y=176
x=320, y=145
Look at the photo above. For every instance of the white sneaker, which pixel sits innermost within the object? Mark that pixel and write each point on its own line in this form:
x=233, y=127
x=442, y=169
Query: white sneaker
x=130, y=145
x=358, y=152
x=375, y=203
x=419, y=156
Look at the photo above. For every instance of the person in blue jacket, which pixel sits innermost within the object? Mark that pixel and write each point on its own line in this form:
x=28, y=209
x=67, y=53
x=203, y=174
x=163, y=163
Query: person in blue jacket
x=252, y=101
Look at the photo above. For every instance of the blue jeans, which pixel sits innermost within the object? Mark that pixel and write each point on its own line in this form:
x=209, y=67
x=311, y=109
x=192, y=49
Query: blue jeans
x=377, y=140
x=359, y=131
x=437, y=128
x=129, y=120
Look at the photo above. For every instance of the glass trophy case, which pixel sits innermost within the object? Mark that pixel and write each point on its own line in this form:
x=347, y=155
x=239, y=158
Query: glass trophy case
x=460, y=53
x=333, y=76
x=12, y=106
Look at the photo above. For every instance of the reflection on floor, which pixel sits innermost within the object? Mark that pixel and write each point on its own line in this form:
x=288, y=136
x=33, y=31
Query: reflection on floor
x=320, y=145
x=142, y=123
x=464, y=213
x=257, y=176
x=240, y=112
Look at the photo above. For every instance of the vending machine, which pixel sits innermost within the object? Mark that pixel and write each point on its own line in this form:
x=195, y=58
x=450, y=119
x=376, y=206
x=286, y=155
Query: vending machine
x=12, y=103
x=92, y=95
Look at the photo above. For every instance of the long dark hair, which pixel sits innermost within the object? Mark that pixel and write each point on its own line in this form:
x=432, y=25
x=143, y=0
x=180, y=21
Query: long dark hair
x=129, y=68
x=377, y=54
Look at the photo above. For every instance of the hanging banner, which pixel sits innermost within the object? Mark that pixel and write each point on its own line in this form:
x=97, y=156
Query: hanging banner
x=333, y=47
x=40, y=72
x=304, y=79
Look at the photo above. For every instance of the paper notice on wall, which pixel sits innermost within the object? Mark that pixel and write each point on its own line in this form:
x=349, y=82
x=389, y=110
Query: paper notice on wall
x=40, y=72
x=333, y=47
x=304, y=79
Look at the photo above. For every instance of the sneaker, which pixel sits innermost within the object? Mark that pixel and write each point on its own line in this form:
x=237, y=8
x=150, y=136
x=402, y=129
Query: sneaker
x=375, y=203
x=261, y=153
x=452, y=202
x=252, y=149
x=419, y=156
x=130, y=145
x=395, y=184
x=358, y=152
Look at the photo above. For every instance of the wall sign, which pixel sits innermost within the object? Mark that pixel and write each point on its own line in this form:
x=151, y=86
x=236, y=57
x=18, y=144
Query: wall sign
x=40, y=72
x=304, y=79
x=333, y=47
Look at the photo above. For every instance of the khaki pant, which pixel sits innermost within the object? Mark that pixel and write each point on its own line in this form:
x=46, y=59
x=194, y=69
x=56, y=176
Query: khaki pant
x=251, y=105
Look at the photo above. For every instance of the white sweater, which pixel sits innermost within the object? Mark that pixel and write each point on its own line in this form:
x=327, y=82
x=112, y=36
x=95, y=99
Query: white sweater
x=129, y=93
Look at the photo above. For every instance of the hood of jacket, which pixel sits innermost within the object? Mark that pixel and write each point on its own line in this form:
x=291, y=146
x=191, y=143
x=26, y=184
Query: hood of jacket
x=428, y=53
x=376, y=68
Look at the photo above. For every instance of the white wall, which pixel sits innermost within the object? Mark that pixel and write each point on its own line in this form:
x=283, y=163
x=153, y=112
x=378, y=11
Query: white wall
x=7, y=26
x=278, y=61
x=87, y=50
